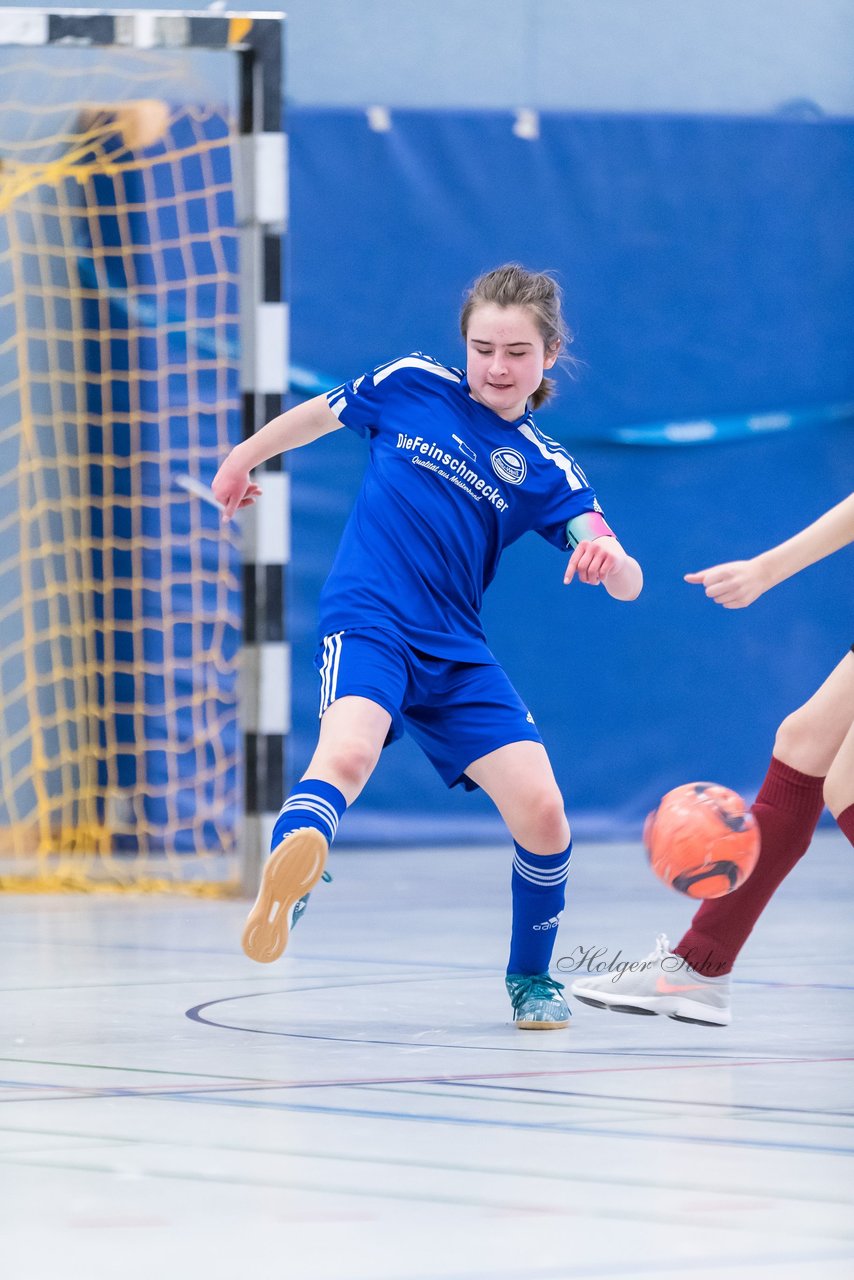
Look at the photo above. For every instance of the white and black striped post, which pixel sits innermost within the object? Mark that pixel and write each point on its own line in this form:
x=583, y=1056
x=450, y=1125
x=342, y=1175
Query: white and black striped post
x=265, y=676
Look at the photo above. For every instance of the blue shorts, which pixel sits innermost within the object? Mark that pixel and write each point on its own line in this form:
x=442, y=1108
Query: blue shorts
x=455, y=711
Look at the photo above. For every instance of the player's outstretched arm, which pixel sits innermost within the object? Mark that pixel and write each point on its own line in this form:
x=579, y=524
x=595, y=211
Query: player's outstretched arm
x=296, y=427
x=738, y=583
x=603, y=560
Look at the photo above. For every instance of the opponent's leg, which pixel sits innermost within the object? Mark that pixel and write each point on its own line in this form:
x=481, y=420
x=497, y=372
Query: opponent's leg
x=787, y=810
x=519, y=780
x=352, y=733
x=691, y=983
x=839, y=786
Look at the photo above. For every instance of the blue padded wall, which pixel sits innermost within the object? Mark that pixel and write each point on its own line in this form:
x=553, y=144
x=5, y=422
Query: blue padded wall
x=708, y=272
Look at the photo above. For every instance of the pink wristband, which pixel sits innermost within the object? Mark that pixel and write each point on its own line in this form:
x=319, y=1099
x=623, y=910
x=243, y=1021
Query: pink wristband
x=586, y=527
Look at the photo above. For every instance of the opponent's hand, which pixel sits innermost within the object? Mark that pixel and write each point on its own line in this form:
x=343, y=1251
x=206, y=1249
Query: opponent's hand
x=733, y=585
x=593, y=562
x=233, y=488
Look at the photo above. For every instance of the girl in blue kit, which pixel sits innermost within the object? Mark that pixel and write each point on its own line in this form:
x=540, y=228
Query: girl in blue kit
x=458, y=470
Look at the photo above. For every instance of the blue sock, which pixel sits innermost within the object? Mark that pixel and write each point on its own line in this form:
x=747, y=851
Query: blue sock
x=312, y=803
x=539, y=895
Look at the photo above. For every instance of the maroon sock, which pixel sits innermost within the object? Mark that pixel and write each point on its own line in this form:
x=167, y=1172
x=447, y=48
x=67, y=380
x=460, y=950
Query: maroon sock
x=787, y=811
x=846, y=822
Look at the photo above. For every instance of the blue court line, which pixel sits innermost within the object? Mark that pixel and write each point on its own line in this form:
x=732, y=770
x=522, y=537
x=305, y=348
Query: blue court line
x=465, y=1122
x=215, y=1097
x=736, y=1107
x=640, y=1110
x=470, y=1087
x=210, y=1080
x=472, y=1080
x=722, y=1188
x=470, y=1122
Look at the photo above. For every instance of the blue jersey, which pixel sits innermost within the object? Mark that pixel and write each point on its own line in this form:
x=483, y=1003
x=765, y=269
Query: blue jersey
x=449, y=485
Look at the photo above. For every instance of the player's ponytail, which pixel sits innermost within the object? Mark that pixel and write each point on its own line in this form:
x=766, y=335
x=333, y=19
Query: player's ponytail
x=513, y=286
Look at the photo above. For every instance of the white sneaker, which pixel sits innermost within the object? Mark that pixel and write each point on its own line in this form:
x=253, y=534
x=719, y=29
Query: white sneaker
x=663, y=983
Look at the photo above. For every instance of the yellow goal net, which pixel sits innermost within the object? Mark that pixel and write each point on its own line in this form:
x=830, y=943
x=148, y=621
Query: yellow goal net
x=120, y=593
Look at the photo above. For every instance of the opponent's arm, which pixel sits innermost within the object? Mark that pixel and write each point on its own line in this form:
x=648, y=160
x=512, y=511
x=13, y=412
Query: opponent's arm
x=296, y=427
x=738, y=583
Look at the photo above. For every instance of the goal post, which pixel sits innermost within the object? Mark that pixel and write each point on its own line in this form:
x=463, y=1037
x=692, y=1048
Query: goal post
x=144, y=666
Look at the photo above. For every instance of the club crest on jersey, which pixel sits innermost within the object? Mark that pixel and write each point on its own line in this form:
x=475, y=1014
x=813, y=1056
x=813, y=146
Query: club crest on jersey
x=509, y=465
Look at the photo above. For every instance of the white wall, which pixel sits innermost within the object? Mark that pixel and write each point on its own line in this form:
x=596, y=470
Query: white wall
x=732, y=56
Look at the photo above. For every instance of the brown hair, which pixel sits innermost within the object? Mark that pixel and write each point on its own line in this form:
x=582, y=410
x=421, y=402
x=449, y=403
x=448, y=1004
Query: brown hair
x=514, y=286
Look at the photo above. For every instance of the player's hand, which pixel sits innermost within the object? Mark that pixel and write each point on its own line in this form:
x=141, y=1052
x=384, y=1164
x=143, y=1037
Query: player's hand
x=594, y=561
x=733, y=585
x=233, y=487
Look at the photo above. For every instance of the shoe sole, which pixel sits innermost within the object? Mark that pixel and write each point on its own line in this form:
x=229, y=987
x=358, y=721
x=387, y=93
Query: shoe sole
x=542, y=1026
x=681, y=1010
x=292, y=870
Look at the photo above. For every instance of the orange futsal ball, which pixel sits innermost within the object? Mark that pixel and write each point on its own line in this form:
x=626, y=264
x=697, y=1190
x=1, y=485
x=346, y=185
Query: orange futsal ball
x=702, y=840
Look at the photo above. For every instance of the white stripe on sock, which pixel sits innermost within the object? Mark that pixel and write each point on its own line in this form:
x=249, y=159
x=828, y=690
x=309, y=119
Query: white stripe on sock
x=556, y=877
x=309, y=802
x=319, y=821
x=328, y=817
x=534, y=875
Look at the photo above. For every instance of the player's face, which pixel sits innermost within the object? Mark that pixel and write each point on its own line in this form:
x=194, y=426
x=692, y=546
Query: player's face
x=505, y=358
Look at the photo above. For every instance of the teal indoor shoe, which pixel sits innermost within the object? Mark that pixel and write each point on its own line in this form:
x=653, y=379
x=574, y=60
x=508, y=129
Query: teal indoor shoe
x=537, y=1002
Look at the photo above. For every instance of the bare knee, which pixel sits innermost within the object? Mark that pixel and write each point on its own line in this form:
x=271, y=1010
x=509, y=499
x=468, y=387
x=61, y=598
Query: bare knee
x=542, y=828
x=348, y=763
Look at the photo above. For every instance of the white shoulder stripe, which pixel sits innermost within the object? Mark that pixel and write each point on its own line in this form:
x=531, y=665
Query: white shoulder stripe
x=557, y=455
x=416, y=362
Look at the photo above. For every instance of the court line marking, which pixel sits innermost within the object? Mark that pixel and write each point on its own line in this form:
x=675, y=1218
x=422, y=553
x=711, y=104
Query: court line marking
x=678, y=1106
x=213, y=1095
x=522, y=1125
x=471, y=1122
x=195, y=1014
x=194, y=980
x=244, y=1085
x=348, y=1157
x=418, y=1197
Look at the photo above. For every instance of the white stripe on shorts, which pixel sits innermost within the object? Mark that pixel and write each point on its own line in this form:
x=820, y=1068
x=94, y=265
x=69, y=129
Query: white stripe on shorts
x=329, y=669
